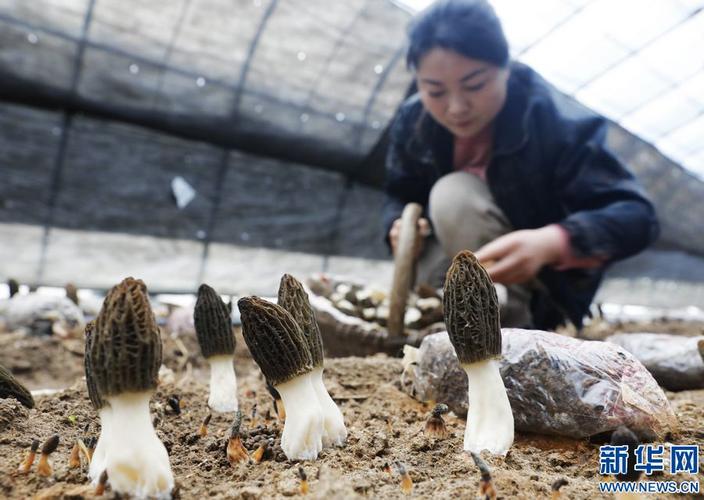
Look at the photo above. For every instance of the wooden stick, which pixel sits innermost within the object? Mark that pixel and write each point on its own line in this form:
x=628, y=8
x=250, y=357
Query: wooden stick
x=404, y=265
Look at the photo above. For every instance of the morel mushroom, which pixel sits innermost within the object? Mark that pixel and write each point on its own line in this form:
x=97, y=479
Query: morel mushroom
x=26, y=464
x=471, y=312
x=486, y=487
x=294, y=299
x=217, y=343
x=125, y=355
x=236, y=451
x=406, y=481
x=555, y=488
x=102, y=482
x=258, y=454
x=304, y=481
x=11, y=388
x=203, y=429
x=277, y=345
x=13, y=287
x=435, y=425
x=44, y=467
x=72, y=293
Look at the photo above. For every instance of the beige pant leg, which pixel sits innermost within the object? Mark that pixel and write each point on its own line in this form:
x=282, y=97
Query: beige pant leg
x=465, y=217
x=464, y=214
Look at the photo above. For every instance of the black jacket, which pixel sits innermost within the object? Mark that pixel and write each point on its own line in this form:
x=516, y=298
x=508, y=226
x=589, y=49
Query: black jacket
x=545, y=169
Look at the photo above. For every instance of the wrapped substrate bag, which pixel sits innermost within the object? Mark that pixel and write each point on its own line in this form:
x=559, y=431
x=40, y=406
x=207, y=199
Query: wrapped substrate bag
x=42, y=315
x=555, y=384
x=673, y=360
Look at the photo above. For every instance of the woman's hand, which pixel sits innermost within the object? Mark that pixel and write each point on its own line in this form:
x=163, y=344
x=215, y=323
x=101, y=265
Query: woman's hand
x=517, y=257
x=422, y=230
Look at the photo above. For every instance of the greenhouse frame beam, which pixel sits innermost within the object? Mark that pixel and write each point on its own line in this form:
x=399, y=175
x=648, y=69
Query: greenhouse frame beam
x=170, y=48
x=633, y=52
x=549, y=32
x=213, y=215
x=28, y=84
x=239, y=88
x=390, y=65
x=331, y=57
x=66, y=121
x=271, y=143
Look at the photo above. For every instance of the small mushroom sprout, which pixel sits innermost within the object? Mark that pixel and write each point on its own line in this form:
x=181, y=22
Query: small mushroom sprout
x=122, y=367
x=49, y=447
x=406, y=481
x=471, y=312
x=279, y=348
x=102, y=483
x=294, y=299
x=486, y=487
x=555, y=488
x=304, y=481
x=435, y=425
x=236, y=451
x=174, y=403
x=203, y=429
x=90, y=443
x=260, y=452
x=26, y=464
x=217, y=343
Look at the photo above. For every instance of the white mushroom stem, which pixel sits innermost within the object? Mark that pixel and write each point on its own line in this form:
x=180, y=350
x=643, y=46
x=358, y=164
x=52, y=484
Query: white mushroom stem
x=302, y=438
x=97, y=462
x=489, y=419
x=223, y=384
x=137, y=462
x=334, y=430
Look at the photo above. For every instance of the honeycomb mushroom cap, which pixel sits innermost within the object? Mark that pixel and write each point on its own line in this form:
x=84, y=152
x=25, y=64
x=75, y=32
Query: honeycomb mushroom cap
x=50, y=445
x=213, y=324
x=293, y=298
x=274, y=339
x=471, y=310
x=10, y=387
x=126, y=344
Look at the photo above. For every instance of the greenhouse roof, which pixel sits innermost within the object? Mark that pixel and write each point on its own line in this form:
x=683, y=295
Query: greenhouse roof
x=640, y=63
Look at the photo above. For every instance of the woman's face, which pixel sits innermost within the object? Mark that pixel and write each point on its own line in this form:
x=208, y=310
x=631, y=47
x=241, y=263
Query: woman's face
x=464, y=95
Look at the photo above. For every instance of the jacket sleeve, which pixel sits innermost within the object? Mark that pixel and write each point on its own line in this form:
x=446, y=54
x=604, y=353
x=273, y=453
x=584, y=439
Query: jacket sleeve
x=610, y=216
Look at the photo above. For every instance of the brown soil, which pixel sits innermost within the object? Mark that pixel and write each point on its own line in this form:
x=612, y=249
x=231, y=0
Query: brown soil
x=385, y=426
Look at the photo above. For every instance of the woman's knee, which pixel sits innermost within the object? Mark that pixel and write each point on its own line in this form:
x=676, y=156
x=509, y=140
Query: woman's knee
x=457, y=196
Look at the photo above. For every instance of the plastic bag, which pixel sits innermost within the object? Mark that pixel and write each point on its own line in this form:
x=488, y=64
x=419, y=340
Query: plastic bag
x=673, y=360
x=555, y=384
x=42, y=315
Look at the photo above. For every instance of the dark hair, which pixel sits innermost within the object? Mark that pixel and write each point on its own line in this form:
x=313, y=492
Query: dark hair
x=468, y=27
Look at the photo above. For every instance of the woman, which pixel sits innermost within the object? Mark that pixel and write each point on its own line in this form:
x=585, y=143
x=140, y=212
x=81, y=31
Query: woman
x=537, y=196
